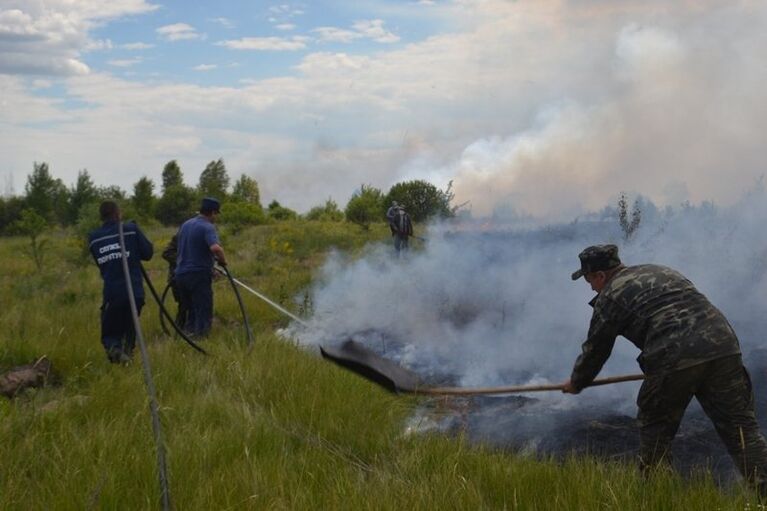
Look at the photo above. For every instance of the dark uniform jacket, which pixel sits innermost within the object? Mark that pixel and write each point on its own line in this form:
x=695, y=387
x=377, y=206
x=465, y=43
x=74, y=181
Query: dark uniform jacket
x=401, y=225
x=104, y=245
x=661, y=312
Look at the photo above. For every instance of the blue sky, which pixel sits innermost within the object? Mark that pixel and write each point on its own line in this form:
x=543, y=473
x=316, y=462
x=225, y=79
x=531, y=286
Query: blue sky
x=188, y=40
x=542, y=107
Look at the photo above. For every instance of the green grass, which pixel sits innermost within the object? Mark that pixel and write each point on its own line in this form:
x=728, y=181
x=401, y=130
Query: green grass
x=274, y=428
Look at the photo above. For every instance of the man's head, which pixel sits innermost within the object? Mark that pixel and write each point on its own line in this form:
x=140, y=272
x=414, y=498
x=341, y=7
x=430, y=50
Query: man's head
x=394, y=204
x=598, y=263
x=209, y=206
x=109, y=210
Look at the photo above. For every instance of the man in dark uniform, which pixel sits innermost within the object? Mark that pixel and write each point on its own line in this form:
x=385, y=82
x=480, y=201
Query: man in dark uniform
x=401, y=227
x=687, y=349
x=198, y=246
x=118, y=334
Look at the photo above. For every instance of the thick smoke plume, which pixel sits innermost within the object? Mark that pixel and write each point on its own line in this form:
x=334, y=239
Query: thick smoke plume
x=495, y=307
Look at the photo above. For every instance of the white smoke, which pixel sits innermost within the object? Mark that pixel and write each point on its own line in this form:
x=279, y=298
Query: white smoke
x=499, y=308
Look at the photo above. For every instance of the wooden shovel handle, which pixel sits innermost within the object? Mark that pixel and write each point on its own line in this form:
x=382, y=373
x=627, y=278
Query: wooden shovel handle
x=459, y=391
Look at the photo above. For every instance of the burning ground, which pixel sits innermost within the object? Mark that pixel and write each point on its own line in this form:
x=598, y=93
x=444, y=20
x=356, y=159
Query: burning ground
x=498, y=308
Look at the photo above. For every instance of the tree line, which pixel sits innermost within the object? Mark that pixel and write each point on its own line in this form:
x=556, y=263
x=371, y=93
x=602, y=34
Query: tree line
x=48, y=202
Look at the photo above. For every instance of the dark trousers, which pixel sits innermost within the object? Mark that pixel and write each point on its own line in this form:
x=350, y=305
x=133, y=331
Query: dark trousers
x=723, y=388
x=400, y=243
x=117, y=330
x=181, y=312
x=196, y=297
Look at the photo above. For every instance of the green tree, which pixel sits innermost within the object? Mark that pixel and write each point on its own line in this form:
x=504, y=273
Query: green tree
x=111, y=192
x=83, y=192
x=238, y=215
x=143, y=199
x=628, y=227
x=246, y=190
x=10, y=212
x=277, y=211
x=422, y=200
x=365, y=207
x=47, y=196
x=33, y=225
x=171, y=175
x=214, y=180
x=177, y=204
x=328, y=212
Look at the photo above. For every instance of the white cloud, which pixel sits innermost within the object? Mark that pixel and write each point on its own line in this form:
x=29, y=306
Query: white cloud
x=125, y=62
x=367, y=29
x=336, y=35
x=285, y=10
x=317, y=63
x=41, y=84
x=539, y=106
x=205, y=67
x=266, y=43
x=136, y=46
x=224, y=22
x=98, y=45
x=46, y=37
x=285, y=26
x=178, y=32
x=374, y=29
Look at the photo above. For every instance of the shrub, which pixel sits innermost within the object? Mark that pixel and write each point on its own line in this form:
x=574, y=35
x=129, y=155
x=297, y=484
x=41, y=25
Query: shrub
x=328, y=212
x=279, y=212
x=422, y=200
x=365, y=206
x=238, y=215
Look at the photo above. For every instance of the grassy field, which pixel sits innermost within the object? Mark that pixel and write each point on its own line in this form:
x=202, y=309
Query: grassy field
x=275, y=428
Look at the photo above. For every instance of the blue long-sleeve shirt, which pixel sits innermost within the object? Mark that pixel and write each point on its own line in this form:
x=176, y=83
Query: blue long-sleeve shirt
x=104, y=245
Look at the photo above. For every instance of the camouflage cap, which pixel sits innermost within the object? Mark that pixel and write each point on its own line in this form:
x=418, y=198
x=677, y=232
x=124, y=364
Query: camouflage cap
x=597, y=258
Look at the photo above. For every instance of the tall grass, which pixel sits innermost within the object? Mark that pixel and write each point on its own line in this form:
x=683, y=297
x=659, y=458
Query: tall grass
x=275, y=428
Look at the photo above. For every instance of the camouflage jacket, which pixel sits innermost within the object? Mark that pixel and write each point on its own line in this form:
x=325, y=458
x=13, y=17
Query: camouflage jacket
x=661, y=312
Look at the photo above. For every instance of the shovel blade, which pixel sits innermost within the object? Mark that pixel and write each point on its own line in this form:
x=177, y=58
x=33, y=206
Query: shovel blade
x=358, y=359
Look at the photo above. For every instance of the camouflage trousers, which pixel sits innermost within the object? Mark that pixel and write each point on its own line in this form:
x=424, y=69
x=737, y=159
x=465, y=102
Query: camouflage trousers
x=723, y=388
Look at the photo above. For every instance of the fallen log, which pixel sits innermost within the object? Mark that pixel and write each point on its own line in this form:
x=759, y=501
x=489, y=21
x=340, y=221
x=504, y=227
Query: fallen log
x=27, y=376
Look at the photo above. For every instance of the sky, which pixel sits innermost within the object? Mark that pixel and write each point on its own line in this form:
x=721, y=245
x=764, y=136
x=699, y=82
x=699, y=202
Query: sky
x=548, y=108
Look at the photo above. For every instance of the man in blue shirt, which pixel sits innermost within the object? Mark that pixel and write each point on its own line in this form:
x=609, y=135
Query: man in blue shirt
x=198, y=246
x=118, y=334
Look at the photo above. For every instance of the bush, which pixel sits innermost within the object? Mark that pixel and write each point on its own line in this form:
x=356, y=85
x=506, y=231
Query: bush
x=238, y=215
x=279, y=212
x=10, y=212
x=365, y=206
x=329, y=212
x=33, y=225
x=422, y=200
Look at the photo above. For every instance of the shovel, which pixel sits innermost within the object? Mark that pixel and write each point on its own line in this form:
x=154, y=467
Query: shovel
x=394, y=378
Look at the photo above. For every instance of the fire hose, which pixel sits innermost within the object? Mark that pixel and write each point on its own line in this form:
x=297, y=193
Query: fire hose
x=154, y=407
x=231, y=279
x=164, y=313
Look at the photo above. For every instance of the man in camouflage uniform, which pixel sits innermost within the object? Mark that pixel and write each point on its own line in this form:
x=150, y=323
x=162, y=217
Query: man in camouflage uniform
x=687, y=349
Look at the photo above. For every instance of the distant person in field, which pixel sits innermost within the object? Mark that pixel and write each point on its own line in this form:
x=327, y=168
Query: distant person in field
x=198, y=248
x=170, y=254
x=688, y=349
x=401, y=227
x=390, y=213
x=118, y=334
